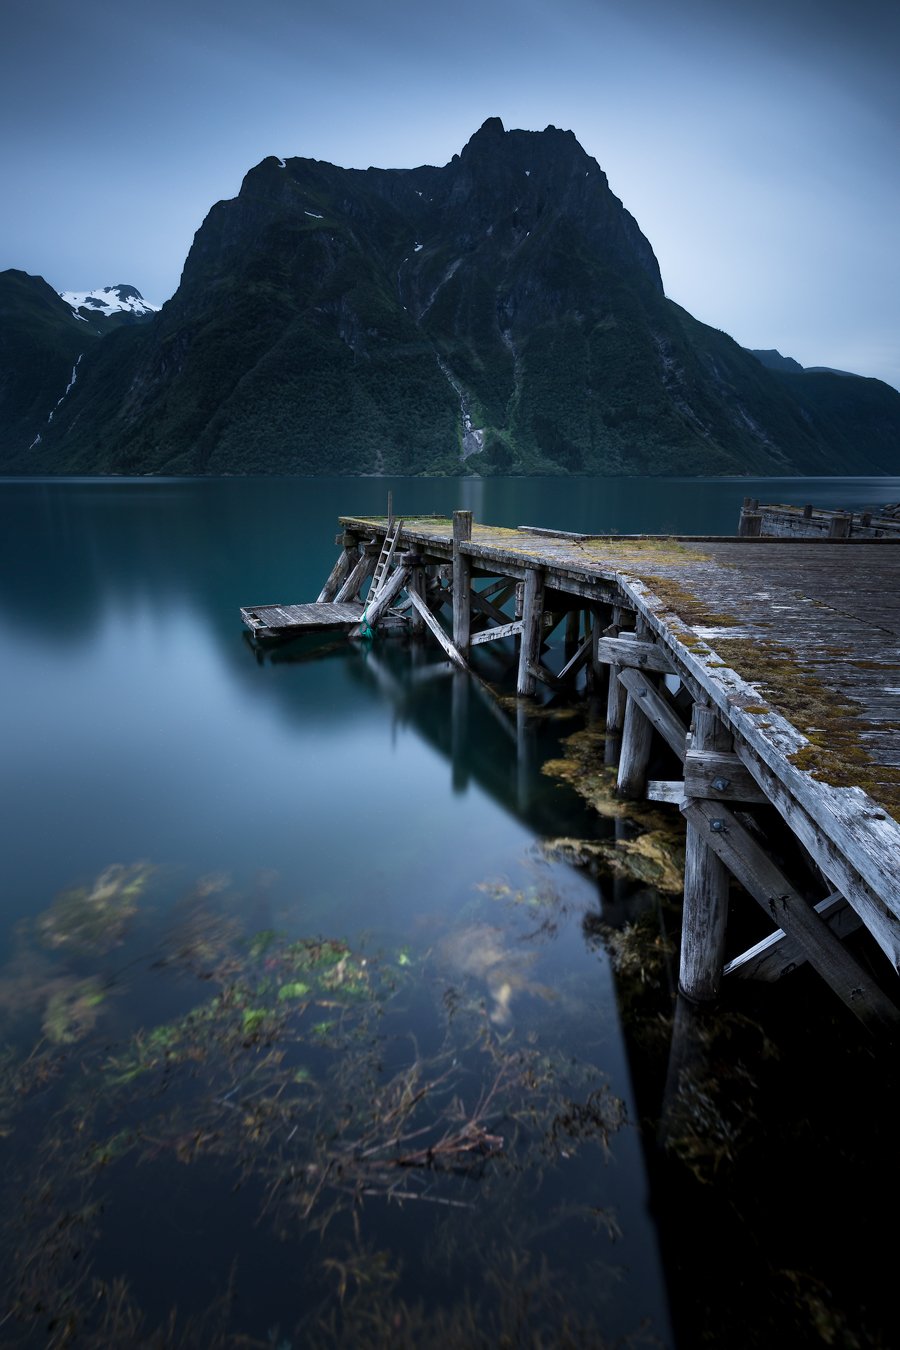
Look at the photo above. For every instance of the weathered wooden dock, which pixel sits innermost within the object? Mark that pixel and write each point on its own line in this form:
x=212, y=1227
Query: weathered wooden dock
x=283, y=620
x=774, y=520
x=765, y=673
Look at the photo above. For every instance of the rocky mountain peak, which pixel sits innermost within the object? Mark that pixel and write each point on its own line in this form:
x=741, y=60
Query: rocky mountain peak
x=106, y=301
x=503, y=311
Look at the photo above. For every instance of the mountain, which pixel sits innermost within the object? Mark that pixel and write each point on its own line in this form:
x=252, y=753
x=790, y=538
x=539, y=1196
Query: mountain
x=773, y=360
x=502, y=313
x=41, y=347
x=44, y=338
x=855, y=410
x=110, y=307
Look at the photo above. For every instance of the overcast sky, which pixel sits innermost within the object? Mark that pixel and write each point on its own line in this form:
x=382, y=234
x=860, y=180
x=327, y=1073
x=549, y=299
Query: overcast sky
x=758, y=146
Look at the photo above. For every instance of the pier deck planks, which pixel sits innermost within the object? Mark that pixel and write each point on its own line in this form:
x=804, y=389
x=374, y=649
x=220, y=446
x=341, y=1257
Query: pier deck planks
x=300, y=618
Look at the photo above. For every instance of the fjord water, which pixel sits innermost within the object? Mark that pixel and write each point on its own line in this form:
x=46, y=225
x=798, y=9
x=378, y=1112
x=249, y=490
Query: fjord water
x=336, y=855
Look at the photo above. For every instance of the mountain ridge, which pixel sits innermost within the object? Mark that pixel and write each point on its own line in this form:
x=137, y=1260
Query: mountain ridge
x=502, y=313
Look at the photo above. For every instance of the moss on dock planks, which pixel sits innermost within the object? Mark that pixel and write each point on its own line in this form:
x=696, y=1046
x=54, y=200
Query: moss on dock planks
x=831, y=722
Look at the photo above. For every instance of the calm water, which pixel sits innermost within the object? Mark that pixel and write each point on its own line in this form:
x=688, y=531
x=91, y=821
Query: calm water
x=307, y=1037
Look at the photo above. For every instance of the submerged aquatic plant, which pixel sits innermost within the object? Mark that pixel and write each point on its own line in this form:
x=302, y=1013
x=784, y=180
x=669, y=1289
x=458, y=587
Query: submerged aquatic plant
x=91, y=920
x=285, y=1078
x=655, y=857
x=72, y=1011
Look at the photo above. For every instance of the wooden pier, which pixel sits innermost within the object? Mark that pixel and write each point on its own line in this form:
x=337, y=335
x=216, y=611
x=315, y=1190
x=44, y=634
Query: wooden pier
x=270, y=621
x=764, y=673
x=772, y=520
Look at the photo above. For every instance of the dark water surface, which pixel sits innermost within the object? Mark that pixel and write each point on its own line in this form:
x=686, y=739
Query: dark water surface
x=307, y=1035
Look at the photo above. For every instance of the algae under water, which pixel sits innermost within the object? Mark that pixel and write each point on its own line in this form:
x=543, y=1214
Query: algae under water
x=338, y=1142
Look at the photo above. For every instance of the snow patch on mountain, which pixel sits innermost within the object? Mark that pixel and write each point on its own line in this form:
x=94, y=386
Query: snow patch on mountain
x=108, y=300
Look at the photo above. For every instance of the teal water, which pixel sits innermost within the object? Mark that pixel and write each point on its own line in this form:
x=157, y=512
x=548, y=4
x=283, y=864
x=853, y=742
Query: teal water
x=191, y=1182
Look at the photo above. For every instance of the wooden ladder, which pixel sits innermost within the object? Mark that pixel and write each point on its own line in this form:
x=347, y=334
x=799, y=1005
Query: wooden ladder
x=385, y=557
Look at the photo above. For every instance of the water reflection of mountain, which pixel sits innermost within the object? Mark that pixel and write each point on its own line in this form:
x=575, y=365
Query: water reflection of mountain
x=71, y=551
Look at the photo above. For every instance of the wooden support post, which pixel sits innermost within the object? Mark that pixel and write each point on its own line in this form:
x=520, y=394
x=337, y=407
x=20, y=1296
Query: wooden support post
x=778, y=955
x=598, y=669
x=431, y=622
x=592, y=685
x=656, y=709
x=341, y=570
x=416, y=583
x=706, y=884
x=392, y=588
x=840, y=525
x=462, y=582
x=756, y=872
x=573, y=631
x=616, y=698
x=616, y=695
x=575, y=662
x=364, y=568
x=482, y=605
x=530, y=641
x=637, y=740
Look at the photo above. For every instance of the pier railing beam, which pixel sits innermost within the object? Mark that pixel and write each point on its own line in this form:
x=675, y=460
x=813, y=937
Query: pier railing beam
x=706, y=885
x=462, y=582
x=530, y=641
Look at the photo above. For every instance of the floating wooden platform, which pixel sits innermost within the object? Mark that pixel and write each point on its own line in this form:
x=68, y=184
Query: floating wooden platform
x=286, y=621
x=767, y=670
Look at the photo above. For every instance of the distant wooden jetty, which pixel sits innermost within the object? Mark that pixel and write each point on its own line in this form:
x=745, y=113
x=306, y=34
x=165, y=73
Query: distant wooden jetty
x=774, y=521
x=765, y=671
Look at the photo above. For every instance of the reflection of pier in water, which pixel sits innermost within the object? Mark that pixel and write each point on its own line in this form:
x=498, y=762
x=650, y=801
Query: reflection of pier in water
x=502, y=750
